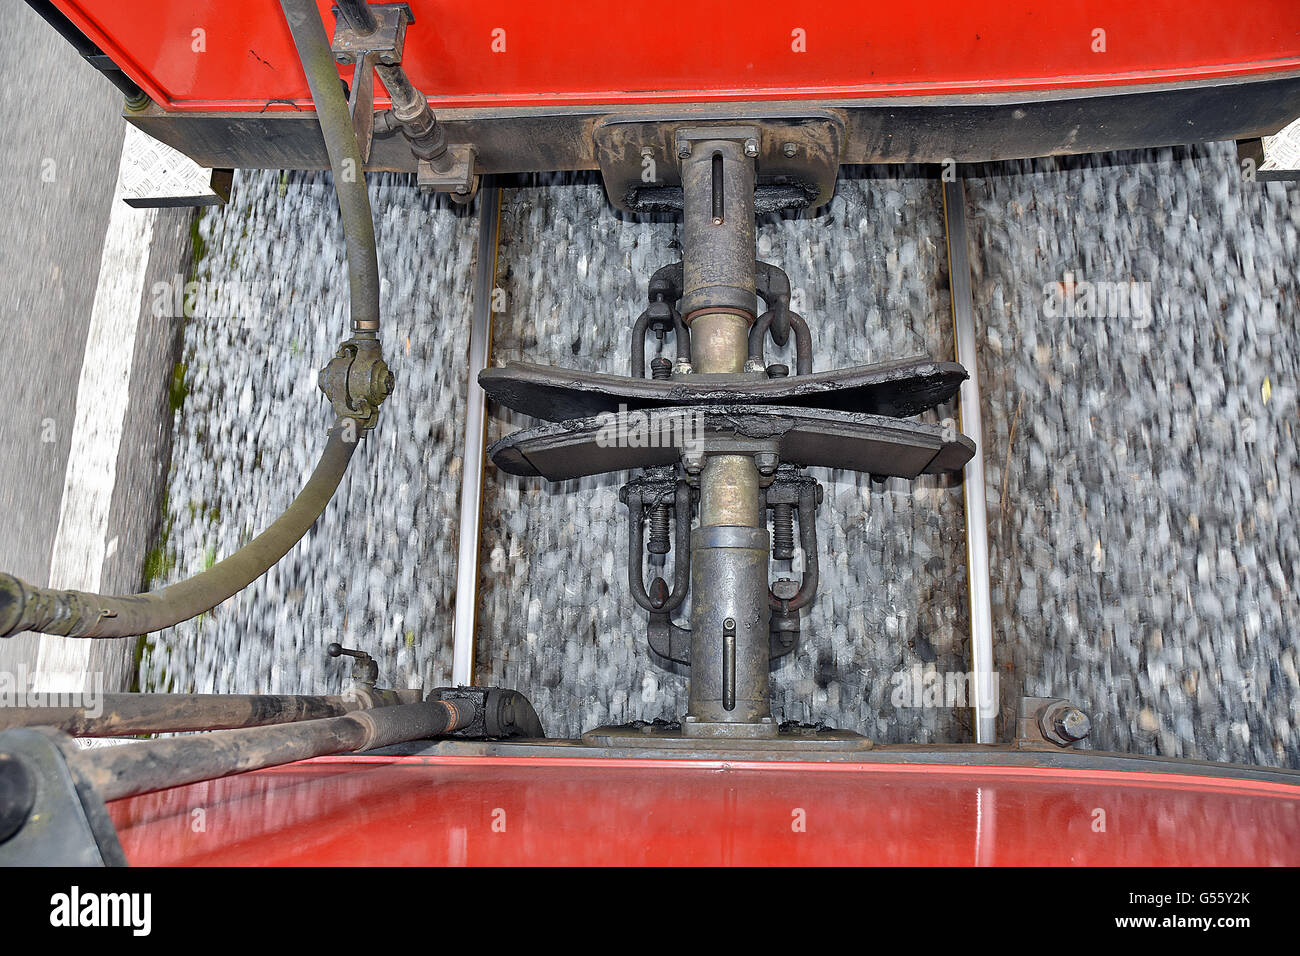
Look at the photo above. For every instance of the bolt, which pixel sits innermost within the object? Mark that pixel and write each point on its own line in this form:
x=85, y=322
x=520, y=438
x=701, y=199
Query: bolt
x=753, y=365
x=381, y=381
x=789, y=149
x=766, y=462
x=693, y=463
x=1072, y=724
x=782, y=533
x=683, y=367
x=778, y=370
x=647, y=151
x=661, y=369
x=783, y=589
x=683, y=150
x=751, y=147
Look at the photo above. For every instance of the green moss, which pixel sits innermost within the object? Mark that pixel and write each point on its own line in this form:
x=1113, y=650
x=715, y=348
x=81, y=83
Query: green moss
x=178, y=391
x=137, y=659
x=198, y=248
x=158, y=564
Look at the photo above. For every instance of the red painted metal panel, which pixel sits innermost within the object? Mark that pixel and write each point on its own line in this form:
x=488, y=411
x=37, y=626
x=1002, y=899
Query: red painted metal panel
x=706, y=50
x=555, y=811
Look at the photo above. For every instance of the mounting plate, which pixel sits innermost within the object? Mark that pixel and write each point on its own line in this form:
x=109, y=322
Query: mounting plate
x=798, y=156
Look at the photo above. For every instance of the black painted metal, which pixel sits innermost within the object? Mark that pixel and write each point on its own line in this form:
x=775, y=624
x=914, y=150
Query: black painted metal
x=897, y=389
x=885, y=447
x=53, y=816
x=963, y=128
x=92, y=54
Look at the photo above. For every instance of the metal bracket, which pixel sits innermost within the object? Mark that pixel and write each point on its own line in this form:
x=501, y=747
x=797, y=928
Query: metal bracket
x=1049, y=722
x=48, y=815
x=456, y=176
x=364, y=51
x=1272, y=158
x=796, y=156
x=765, y=450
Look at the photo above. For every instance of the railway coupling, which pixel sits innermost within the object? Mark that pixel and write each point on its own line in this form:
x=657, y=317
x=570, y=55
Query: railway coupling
x=719, y=435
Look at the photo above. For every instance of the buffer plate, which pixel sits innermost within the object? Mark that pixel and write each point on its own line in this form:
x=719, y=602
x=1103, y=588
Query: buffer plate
x=884, y=447
x=896, y=389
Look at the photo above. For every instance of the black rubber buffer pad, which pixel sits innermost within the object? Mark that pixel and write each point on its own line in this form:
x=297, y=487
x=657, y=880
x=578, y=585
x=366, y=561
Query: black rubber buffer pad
x=884, y=447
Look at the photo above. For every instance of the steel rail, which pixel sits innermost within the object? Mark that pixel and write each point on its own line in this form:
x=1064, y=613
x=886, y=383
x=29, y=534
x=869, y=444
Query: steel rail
x=977, y=534
x=471, y=489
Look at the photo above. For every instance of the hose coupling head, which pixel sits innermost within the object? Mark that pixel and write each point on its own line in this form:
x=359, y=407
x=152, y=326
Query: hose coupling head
x=357, y=380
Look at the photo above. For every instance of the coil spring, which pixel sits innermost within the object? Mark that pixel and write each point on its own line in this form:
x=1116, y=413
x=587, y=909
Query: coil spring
x=783, y=532
x=660, y=519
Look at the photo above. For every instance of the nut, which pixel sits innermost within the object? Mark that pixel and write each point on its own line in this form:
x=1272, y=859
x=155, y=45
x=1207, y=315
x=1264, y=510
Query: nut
x=1073, y=724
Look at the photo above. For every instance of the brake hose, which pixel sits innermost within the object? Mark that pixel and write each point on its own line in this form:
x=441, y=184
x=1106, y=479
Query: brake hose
x=72, y=613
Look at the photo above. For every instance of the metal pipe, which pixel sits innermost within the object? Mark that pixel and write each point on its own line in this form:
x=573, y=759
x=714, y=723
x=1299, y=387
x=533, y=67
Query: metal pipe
x=24, y=607
x=729, y=491
x=730, y=550
x=717, y=250
x=471, y=487
x=150, y=765
x=412, y=112
x=119, y=715
x=358, y=16
x=730, y=639
x=719, y=342
x=977, y=534
x=345, y=158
